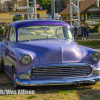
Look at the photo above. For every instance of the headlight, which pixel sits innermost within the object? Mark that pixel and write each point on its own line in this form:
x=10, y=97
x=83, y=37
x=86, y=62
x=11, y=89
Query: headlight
x=26, y=59
x=95, y=56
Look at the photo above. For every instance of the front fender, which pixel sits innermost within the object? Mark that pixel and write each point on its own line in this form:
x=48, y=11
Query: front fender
x=86, y=56
x=20, y=52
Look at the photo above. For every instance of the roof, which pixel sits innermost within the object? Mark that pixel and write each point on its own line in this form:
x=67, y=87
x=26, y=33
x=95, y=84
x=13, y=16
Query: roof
x=24, y=23
x=84, y=5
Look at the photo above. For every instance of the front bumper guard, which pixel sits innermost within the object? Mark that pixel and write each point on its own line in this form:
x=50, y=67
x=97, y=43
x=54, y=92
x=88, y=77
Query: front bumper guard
x=57, y=81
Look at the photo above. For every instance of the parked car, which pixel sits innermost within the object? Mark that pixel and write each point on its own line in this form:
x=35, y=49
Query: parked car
x=46, y=57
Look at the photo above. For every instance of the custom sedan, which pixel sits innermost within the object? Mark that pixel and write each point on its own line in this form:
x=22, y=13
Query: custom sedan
x=43, y=52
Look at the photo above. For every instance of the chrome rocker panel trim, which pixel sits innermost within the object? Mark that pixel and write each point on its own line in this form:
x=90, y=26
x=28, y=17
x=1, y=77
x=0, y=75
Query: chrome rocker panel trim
x=57, y=81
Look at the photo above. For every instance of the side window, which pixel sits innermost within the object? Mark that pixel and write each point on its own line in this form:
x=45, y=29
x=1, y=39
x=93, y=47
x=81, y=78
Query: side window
x=12, y=34
x=6, y=35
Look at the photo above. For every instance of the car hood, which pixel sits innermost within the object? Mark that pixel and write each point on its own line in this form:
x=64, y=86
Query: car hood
x=53, y=51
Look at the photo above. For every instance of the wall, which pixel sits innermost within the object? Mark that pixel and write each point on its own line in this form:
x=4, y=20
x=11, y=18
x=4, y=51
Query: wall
x=42, y=13
x=5, y=17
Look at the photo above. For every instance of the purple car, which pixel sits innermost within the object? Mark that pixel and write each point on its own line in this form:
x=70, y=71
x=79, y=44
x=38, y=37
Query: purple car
x=43, y=52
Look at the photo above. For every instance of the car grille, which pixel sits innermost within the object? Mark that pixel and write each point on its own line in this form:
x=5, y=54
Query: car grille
x=61, y=71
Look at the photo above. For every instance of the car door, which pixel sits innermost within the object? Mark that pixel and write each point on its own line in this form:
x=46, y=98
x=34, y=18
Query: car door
x=7, y=49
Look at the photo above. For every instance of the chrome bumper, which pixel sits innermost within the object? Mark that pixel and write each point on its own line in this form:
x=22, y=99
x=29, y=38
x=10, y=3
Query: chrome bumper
x=94, y=77
x=57, y=81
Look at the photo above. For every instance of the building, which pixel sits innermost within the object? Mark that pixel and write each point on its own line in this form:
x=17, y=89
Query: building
x=60, y=4
x=5, y=17
x=88, y=11
x=97, y=2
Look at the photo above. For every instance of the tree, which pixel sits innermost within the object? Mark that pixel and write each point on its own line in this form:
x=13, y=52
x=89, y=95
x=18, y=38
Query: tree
x=38, y=1
x=46, y=4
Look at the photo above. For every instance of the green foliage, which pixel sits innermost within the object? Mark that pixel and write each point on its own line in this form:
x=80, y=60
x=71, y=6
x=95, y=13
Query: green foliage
x=14, y=18
x=95, y=29
x=1, y=31
x=46, y=4
x=96, y=26
x=88, y=28
x=6, y=27
x=31, y=96
x=91, y=43
x=96, y=21
x=17, y=18
x=83, y=22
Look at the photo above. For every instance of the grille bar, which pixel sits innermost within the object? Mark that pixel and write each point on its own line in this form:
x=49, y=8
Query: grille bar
x=61, y=71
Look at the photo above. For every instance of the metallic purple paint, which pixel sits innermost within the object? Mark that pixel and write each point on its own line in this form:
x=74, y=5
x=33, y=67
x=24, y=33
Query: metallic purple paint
x=46, y=53
x=53, y=51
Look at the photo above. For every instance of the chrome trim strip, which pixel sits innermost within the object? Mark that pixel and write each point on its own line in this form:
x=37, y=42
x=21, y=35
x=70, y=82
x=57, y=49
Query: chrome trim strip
x=65, y=64
x=57, y=81
x=13, y=56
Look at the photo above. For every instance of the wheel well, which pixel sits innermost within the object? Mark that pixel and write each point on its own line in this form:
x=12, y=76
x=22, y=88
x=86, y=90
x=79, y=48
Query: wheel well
x=13, y=68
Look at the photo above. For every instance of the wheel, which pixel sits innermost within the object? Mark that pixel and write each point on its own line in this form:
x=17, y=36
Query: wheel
x=14, y=79
x=1, y=66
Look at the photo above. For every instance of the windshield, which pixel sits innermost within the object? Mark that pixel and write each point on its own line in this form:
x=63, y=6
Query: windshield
x=44, y=32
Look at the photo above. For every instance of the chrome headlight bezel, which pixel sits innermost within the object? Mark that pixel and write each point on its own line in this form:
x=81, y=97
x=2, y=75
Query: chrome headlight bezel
x=25, y=57
x=95, y=56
